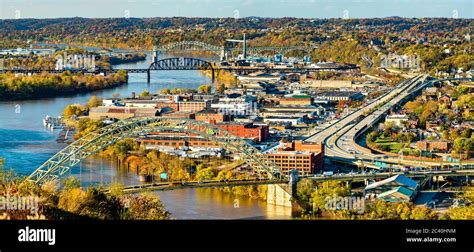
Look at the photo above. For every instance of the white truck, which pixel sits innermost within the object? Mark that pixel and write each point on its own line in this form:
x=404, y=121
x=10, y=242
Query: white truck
x=328, y=173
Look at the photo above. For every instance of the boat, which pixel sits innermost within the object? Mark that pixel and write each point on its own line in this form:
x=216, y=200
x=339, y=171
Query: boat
x=46, y=120
x=53, y=123
x=66, y=135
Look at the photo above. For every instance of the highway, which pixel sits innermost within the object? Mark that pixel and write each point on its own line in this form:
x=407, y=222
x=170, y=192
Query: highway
x=335, y=136
x=339, y=138
x=383, y=175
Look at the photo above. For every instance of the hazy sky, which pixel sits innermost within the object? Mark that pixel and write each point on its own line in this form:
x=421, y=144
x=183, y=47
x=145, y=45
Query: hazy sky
x=238, y=8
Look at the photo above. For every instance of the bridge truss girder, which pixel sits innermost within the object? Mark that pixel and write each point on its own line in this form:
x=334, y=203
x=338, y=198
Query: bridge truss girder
x=181, y=63
x=187, y=46
x=94, y=142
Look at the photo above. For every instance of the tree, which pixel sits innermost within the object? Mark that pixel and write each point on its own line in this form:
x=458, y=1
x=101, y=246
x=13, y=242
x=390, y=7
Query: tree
x=204, y=174
x=461, y=213
x=71, y=183
x=145, y=93
x=122, y=147
x=175, y=90
x=73, y=110
x=204, y=89
x=220, y=88
x=145, y=207
x=166, y=91
x=94, y=101
x=69, y=111
x=224, y=174
x=327, y=189
x=304, y=189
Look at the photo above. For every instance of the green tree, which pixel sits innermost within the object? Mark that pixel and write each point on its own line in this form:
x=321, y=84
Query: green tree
x=204, y=174
x=94, y=101
x=71, y=183
x=175, y=90
x=304, y=190
x=224, y=174
x=327, y=189
x=145, y=93
x=204, y=89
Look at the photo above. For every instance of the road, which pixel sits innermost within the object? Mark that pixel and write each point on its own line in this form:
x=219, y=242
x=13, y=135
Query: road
x=335, y=136
x=383, y=175
x=339, y=138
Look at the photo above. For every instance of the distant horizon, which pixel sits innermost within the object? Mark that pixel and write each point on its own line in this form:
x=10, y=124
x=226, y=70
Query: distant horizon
x=305, y=18
x=307, y=9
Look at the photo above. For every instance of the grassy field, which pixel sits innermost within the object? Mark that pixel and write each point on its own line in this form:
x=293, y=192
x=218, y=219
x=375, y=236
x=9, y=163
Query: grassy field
x=394, y=146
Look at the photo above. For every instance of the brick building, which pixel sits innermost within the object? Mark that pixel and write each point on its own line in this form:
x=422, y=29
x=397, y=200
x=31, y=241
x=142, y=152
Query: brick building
x=306, y=157
x=102, y=112
x=296, y=100
x=257, y=133
x=212, y=116
x=193, y=106
x=176, y=142
x=441, y=146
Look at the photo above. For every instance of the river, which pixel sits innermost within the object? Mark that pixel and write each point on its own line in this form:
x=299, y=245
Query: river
x=26, y=144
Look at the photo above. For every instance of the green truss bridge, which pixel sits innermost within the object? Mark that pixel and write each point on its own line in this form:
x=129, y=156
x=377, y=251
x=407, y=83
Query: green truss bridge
x=96, y=141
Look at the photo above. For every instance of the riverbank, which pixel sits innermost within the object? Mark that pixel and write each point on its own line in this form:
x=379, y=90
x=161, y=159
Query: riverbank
x=49, y=202
x=129, y=58
x=19, y=87
x=26, y=144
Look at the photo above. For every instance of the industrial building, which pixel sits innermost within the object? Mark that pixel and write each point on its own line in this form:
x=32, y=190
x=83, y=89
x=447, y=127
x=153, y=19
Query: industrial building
x=398, y=188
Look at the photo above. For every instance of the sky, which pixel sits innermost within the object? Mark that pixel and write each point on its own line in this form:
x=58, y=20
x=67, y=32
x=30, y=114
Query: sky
x=236, y=8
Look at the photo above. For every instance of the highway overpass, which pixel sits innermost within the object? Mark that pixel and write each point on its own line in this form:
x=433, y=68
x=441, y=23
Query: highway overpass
x=339, y=137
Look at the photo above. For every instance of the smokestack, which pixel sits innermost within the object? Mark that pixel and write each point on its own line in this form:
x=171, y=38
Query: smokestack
x=245, y=48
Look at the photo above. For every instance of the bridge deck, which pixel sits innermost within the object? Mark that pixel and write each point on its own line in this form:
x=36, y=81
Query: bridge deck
x=164, y=186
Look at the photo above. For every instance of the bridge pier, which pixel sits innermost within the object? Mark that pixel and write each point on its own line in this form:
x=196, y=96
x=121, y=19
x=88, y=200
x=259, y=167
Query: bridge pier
x=148, y=76
x=282, y=194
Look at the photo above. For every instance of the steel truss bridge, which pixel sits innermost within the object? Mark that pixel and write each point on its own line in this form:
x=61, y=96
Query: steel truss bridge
x=222, y=51
x=183, y=63
x=96, y=141
x=164, y=186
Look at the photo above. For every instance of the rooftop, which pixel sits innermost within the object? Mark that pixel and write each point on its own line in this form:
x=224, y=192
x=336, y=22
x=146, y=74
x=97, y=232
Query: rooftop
x=398, y=179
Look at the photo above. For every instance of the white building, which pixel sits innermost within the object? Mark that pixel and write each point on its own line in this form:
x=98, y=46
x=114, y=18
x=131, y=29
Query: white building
x=296, y=120
x=242, y=105
x=398, y=120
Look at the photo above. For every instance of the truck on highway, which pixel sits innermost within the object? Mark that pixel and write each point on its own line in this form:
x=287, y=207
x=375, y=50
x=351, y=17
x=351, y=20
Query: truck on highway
x=328, y=173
